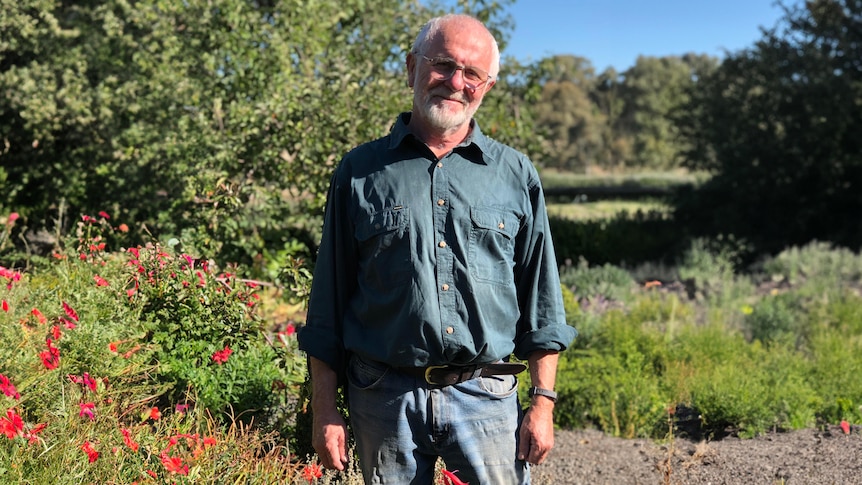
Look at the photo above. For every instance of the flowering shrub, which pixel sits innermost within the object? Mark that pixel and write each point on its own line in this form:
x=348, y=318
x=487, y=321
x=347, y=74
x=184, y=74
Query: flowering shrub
x=125, y=366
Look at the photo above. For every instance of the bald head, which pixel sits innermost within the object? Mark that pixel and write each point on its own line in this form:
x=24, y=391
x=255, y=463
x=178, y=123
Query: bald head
x=458, y=25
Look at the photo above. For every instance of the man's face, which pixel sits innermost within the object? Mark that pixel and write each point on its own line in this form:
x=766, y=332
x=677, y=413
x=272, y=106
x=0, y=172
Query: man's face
x=447, y=104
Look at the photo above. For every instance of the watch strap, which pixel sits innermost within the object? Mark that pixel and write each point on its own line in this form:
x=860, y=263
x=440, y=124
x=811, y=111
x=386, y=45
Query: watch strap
x=538, y=391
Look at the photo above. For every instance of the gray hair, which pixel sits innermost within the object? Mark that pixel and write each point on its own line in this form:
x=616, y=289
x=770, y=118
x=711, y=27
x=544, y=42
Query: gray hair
x=433, y=26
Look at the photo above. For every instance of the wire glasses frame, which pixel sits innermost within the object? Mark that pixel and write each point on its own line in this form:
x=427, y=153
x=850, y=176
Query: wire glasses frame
x=445, y=68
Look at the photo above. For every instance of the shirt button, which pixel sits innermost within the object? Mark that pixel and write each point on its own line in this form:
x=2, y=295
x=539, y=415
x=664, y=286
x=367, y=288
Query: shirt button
x=441, y=202
x=501, y=225
x=450, y=330
x=442, y=244
x=445, y=287
x=439, y=164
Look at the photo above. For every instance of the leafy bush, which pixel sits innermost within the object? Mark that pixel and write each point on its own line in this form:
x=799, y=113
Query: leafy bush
x=143, y=363
x=613, y=382
x=815, y=264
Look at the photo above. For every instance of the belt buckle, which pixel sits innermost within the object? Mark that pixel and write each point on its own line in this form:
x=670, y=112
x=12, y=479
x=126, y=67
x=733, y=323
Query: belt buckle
x=430, y=369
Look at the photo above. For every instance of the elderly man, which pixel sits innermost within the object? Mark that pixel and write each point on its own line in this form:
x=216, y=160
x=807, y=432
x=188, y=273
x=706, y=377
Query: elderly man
x=436, y=266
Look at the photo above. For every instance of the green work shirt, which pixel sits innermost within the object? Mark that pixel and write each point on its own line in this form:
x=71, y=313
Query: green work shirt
x=428, y=261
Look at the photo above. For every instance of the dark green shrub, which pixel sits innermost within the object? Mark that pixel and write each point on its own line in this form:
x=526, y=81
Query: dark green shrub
x=625, y=240
x=779, y=318
x=605, y=281
x=613, y=384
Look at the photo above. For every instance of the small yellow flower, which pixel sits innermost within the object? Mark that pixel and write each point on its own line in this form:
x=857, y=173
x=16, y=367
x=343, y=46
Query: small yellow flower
x=747, y=310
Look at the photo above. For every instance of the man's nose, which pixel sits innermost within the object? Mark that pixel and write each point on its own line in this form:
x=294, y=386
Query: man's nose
x=457, y=80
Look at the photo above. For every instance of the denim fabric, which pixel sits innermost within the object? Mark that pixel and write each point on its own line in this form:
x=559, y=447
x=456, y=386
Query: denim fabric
x=428, y=261
x=401, y=426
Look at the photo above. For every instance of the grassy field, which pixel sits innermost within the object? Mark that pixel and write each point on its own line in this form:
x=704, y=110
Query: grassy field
x=586, y=209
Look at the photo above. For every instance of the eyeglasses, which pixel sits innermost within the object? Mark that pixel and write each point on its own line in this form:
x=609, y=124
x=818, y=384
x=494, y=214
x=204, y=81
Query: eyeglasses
x=445, y=67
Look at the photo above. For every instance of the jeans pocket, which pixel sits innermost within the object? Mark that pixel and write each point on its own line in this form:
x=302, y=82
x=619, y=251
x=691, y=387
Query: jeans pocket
x=490, y=387
x=365, y=374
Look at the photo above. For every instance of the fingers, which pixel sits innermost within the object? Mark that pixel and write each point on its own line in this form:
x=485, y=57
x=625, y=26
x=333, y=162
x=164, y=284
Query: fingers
x=330, y=442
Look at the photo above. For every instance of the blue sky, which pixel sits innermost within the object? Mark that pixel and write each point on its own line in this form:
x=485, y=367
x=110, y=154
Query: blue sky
x=615, y=32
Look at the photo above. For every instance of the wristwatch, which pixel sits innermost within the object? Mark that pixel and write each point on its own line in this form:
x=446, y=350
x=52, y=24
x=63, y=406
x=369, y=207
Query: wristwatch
x=538, y=391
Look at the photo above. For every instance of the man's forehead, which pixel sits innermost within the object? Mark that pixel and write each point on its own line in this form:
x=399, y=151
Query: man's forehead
x=461, y=44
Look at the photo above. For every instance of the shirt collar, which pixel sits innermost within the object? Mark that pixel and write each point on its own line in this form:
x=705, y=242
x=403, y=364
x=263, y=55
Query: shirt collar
x=473, y=148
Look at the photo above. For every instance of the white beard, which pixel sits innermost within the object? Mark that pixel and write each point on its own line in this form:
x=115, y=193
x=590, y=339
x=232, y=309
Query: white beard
x=442, y=116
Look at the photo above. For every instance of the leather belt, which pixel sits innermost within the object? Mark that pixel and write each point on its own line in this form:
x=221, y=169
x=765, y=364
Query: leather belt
x=447, y=375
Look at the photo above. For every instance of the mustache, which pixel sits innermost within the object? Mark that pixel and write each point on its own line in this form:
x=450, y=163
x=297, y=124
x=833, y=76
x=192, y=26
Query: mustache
x=446, y=94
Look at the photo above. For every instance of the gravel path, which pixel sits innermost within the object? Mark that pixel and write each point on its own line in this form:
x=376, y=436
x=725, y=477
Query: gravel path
x=806, y=457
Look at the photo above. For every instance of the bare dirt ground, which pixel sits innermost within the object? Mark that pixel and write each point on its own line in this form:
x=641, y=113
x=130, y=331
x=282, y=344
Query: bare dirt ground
x=806, y=457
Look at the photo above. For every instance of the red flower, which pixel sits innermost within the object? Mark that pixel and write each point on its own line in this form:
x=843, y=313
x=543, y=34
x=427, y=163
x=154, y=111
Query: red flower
x=70, y=311
x=155, y=414
x=36, y=313
x=845, y=426
x=127, y=439
x=104, y=215
x=33, y=435
x=174, y=464
x=11, y=425
x=221, y=356
x=312, y=472
x=5, y=306
x=7, y=388
x=70, y=325
x=92, y=454
x=88, y=410
x=55, y=332
x=100, y=281
x=449, y=478
x=51, y=357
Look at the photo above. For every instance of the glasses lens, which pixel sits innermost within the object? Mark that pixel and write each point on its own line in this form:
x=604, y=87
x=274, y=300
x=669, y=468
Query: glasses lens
x=446, y=68
x=474, y=75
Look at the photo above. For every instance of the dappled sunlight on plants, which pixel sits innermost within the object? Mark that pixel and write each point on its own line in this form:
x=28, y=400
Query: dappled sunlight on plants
x=142, y=365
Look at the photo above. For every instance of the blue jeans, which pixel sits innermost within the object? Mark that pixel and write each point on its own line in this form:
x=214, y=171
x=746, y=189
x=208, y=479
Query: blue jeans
x=402, y=425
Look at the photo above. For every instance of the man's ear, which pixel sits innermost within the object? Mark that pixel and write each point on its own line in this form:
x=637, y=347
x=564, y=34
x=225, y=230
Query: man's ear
x=411, y=69
x=489, y=85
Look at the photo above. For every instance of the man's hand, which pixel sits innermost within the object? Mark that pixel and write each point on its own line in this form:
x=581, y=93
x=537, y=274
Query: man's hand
x=537, y=428
x=329, y=431
x=537, y=432
x=329, y=438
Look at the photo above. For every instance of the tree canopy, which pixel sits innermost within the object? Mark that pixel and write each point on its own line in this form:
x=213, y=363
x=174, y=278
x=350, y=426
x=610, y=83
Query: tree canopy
x=778, y=125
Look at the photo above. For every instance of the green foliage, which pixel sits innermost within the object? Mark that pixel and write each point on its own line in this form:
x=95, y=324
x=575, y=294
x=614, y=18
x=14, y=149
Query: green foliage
x=216, y=123
x=606, y=281
x=613, y=383
x=817, y=263
x=626, y=239
x=776, y=319
x=708, y=268
x=102, y=342
x=776, y=124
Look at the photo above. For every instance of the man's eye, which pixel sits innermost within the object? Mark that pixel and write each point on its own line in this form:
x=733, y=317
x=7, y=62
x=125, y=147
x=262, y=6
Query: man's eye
x=444, y=64
x=472, y=74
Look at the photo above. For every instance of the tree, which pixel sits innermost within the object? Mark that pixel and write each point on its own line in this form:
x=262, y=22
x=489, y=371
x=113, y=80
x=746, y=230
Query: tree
x=653, y=90
x=214, y=122
x=565, y=111
x=778, y=125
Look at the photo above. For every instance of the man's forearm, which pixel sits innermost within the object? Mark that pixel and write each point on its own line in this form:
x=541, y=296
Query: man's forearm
x=324, y=387
x=543, y=373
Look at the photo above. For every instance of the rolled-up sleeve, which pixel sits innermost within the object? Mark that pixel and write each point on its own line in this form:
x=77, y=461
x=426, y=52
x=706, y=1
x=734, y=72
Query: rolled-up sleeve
x=542, y=325
x=334, y=281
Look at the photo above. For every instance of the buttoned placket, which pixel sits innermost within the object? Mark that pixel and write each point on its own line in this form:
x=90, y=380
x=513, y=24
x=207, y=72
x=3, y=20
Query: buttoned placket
x=446, y=294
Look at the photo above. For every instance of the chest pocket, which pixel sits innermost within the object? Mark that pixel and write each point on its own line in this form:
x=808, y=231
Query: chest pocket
x=384, y=247
x=492, y=244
